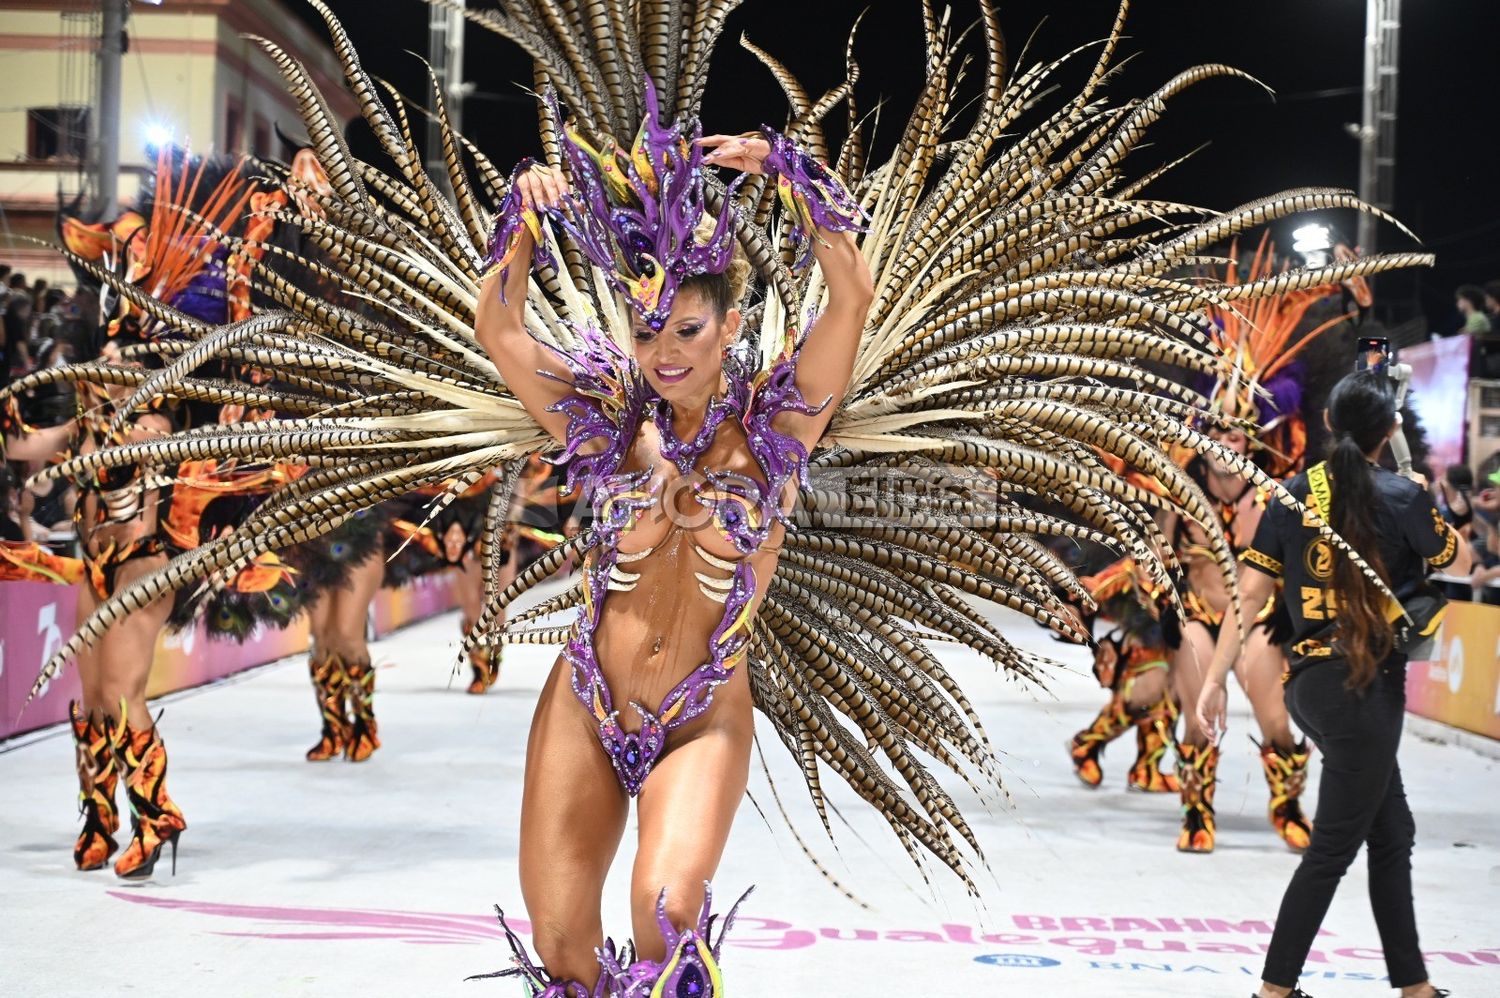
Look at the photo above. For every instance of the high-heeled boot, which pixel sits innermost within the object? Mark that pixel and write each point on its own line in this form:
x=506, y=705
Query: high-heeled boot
x=1112, y=722
x=1197, y=771
x=330, y=686
x=1286, y=776
x=98, y=777
x=1154, y=726
x=155, y=820
x=486, y=668
x=363, y=740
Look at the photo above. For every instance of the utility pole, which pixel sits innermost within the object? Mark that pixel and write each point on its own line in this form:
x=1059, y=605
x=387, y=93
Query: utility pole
x=105, y=140
x=445, y=52
x=1377, y=133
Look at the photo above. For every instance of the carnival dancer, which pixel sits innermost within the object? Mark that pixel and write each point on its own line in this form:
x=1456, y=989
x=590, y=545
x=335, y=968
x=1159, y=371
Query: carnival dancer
x=453, y=538
x=1257, y=400
x=990, y=326
x=1256, y=406
x=131, y=516
x=118, y=518
x=1206, y=599
x=1132, y=661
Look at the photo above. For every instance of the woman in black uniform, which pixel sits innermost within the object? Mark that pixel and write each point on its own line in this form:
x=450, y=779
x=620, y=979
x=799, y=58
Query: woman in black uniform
x=1346, y=687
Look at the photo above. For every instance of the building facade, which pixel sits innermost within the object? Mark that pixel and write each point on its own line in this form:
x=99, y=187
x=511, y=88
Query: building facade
x=189, y=76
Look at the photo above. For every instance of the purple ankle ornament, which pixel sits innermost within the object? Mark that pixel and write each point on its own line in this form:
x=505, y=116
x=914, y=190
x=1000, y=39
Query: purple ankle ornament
x=536, y=978
x=691, y=967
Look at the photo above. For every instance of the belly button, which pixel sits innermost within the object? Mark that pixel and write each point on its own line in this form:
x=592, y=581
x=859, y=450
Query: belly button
x=656, y=647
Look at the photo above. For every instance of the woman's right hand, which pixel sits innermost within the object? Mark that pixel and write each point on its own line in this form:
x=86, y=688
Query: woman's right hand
x=1213, y=708
x=542, y=187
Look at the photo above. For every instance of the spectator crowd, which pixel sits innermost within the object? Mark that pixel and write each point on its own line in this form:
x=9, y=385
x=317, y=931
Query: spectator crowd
x=1479, y=319
x=1470, y=501
x=44, y=327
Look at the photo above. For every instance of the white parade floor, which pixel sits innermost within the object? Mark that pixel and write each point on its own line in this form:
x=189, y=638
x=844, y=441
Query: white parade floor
x=379, y=879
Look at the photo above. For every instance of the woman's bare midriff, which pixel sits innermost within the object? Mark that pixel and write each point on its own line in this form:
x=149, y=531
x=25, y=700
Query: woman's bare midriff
x=653, y=635
x=1203, y=574
x=96, y=537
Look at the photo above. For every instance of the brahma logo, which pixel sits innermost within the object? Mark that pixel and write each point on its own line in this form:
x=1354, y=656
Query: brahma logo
x=1017, y=960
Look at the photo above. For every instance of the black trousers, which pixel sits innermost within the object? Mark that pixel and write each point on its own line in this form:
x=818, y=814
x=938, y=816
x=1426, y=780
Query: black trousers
x=1360, y=802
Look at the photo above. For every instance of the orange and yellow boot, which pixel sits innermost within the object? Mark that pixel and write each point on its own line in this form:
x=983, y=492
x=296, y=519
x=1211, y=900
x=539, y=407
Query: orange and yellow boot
x=1286, y=776
x=330, y=685
x=1197, y=771
x=155, y=820
x=98, y=777
x=1154, y=726
x=1112, y=722
x=363, y=740
x=486, y=670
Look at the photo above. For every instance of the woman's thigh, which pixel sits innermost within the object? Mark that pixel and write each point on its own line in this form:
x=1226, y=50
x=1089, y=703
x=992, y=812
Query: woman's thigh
x=572, y=818
x=1259, y=670
x=686, y=809
x=125, y=652
x=350, y=609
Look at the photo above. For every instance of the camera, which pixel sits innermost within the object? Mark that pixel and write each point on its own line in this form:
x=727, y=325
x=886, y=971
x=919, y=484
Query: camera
x=1374, y=353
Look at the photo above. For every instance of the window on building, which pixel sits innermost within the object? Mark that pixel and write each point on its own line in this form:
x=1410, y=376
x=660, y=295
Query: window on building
x=234, y=127
x=57, y=133
x=262, y=146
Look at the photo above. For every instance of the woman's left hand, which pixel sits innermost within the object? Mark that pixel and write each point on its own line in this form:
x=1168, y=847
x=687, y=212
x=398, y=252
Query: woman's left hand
x=1213, y=708
x=746, y=153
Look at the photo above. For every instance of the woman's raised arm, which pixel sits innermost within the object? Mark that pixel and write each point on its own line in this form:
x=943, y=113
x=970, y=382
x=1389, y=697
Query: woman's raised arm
x=500, y=321
x=827, y=359
x=825, y=219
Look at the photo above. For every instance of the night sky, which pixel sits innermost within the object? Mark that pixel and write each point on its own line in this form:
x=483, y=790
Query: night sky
x=1309, y=51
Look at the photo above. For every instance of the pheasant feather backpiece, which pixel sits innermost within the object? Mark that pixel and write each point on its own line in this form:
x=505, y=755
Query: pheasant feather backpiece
x=1023, y=283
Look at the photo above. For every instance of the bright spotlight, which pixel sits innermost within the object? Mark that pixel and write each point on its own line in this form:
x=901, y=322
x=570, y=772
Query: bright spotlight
x=158, y=134
x=1313, y=242
x=1311, y=239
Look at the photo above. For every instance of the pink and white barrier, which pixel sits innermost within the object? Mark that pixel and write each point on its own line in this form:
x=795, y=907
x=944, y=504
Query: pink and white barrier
x=37, y=617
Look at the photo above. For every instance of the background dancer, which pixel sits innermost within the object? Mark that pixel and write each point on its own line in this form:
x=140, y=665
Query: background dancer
x=128, y=518
x=1256, y=407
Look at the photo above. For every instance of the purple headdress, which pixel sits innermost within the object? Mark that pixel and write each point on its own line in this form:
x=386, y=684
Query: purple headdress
x=635, y=215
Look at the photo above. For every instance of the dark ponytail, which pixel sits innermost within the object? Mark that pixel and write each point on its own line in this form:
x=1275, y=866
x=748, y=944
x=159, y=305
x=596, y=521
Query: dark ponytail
x=1361, y=412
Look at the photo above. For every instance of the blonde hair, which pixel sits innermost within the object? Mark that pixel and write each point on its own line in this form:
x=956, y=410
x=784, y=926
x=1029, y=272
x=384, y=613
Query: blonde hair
x=737, y=274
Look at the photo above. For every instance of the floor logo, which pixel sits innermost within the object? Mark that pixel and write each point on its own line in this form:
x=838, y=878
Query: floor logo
x=1017, y=960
